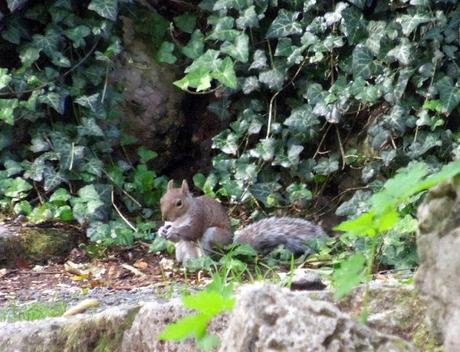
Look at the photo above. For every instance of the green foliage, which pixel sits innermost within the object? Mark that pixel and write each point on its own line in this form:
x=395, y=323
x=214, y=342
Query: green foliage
x=305, y=78
x=385, y=221
x=60, y=138
x=209, y=303
x=33, y=311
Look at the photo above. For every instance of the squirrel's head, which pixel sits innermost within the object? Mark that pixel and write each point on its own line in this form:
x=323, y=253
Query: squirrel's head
x=175, y=202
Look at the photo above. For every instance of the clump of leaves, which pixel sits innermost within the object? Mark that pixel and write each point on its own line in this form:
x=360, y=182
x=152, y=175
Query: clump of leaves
x=386, y=207
x=303, y=79
x=209, y=303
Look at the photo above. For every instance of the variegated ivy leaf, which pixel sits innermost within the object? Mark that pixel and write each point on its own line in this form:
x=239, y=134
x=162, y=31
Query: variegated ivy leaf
x=55, y=100
x=327, y=166
x=265, y=149
x=363, y=65
x=240, y=50
x=5, y=78
x=227, y=142
x=259, y=60
x=273, y=79
x=301, y=119
x=353, y=24
x=223, y=28
x=7, y=107
x=250, y=84
x=92, y=102
x=13, y=5
x=248, y=18
x=225, y=73
x=404, y=52
x=224, y=5
x=409, y=23
x=336, y=15
x=298, y=191
x=448, y=93
x=293, y=155
x=376, y=30
x=105, y=8
x=195, y=46
x=284, y=24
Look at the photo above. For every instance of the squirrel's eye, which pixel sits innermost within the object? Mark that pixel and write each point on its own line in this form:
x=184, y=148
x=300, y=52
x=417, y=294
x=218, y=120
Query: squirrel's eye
x=179, y=203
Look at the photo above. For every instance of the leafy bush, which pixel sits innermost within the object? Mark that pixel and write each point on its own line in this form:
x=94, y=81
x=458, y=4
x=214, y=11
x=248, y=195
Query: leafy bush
x=323, y=88
x=60, y=140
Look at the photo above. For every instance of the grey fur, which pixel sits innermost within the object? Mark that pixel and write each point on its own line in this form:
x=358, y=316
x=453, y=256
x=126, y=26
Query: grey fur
x=293, y=233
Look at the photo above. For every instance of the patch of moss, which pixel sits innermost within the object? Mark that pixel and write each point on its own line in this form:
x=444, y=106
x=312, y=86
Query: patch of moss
x=34, y=311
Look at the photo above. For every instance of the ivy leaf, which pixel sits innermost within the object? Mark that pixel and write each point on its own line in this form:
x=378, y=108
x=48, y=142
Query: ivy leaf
x=259, y=60
x=165, y=53
x=265, y=149
x=105, y=8
x=89, y=127
x=363, y=65
x=52, y=179
x=250, y=84
x=195, y=46
x=352, y=24
x=77, y=35
x=7, y=107
x=55, y=100
x=448, y=93
x=186, y=22
x=301, y=119
x=248, y=19
x=284, y=24
x=298, y=191
x=5, y=78
x=403, y=53
x=92, y=102
x=223, y=29
x=410, y=22
x=60, y=196
x=13, y=5
x=326, y=166
x=146, y=155
x=239, y=50
x=225, y=73
x=273, y=79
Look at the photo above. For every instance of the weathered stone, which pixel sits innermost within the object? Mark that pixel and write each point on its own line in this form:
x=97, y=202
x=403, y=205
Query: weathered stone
x=81, y=333
x=151, y=321
x=267, y=318
x=151, y=108
x=34, y=244
x=438, y=243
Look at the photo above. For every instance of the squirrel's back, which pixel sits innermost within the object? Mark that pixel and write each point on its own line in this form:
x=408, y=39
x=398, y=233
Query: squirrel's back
x=293, y=233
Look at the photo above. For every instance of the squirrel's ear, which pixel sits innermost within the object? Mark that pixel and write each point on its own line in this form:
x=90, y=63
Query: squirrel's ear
x=184, y=188
x=170, y=185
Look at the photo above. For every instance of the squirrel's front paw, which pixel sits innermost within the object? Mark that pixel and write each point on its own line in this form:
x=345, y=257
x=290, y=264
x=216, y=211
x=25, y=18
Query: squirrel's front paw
x=164, y=230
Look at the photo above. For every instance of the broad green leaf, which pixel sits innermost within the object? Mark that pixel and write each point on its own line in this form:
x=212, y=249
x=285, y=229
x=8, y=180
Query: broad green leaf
x=145, y=154
x=105, y=8
x=363, y=225
x=248, y=19
x=240, y=50
x=23, y=207
x=409, y=23
x=5, y=78
x=404, y=52
x=77, y=35
x=195, y=46
x=7, y=107
x=224, y=29
x=225, y=73
x=298, y=191
x=363, y=65
x=284, y=24
x=61, y=195
x=209, y=303
x=55, y=100
x=448, y=93
x=165, y=53
x=92, y=102
x=349, y=275
x=186, y=22
x=353, y=24
x=192, y=325
x=13, y=5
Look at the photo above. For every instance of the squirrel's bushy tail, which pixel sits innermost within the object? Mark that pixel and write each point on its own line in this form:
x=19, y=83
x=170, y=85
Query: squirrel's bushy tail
x=267, y=234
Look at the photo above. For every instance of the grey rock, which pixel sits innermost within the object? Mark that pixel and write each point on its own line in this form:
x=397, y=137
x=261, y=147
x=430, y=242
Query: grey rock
x=438, y=244
x=267, y=318
x=80, y=333
x=144, y=334
x=306, y=279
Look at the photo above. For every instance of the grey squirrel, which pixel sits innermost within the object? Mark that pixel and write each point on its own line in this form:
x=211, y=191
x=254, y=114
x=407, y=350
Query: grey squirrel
x=201, y=224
